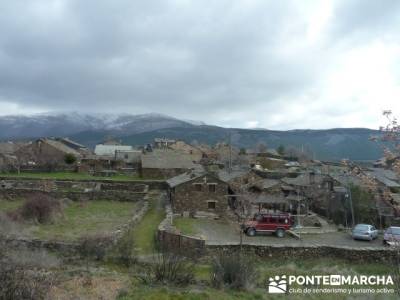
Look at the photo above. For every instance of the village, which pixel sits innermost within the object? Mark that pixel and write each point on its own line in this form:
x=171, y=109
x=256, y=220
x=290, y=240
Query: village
x=226, y=186
x=123, y=205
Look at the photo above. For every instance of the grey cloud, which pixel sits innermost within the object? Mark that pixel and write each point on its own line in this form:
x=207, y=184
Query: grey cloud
x=187, y=59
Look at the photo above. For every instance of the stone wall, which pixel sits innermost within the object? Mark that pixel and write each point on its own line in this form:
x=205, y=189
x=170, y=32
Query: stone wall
x=160, y=173
x=171, y=239
x=174, y=241
x=65, y=249
x=72, y=249
x=11, y=194
x=310, y=252
x=21, y=182
x=77, y=190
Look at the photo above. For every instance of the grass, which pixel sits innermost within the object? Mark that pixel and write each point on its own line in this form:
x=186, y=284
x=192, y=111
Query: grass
x=165, y=293
x=102, y=216
x=10, y=205
x=186, y=225
x=205, y=293
x=145, y=231
x=71, y=176
x=85, y=219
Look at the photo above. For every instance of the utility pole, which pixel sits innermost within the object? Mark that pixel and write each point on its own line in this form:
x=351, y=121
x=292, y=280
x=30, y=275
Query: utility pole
x=350, y=199
x=351, y=207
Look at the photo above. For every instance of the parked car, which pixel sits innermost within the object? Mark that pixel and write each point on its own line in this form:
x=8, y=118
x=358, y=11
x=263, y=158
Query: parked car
x=392, y=236
x=364, y=232
x=275, y=223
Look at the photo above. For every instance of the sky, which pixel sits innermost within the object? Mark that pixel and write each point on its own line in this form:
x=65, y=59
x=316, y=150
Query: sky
x=244, y=63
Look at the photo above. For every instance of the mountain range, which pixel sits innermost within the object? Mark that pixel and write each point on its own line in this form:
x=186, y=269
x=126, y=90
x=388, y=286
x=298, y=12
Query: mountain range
x=90, y=129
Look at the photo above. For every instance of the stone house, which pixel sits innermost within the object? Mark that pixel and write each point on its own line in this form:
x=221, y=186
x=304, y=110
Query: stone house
x=110, y=149
x=10, y=147
x=129, y=157
x=96, y=164
x=185, y=148
x=198, y=193
x=47, y=152
x=160, y=164
x=8, y=163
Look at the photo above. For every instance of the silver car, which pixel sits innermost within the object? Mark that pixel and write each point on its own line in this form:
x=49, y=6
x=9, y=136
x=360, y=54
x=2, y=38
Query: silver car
x=364, y=232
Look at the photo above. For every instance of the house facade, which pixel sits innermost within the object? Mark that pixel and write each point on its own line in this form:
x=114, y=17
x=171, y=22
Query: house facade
x=192, y=194
x=47, y=152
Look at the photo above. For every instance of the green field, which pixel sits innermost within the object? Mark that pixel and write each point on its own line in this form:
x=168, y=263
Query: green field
x=265, y=269
x=79, y=219
x=70, y=176
x=10, y=205
x=145, y=231
x=186, y=225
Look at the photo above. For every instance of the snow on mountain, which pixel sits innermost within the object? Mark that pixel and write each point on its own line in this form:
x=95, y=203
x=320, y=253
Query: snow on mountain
x=62, y=124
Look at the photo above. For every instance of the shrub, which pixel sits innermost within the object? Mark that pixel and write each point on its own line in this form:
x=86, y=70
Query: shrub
x=94, y=246
x=69, y=159
x=124, y=250
x=232, y=271
x=169, y=268
x=17, y=283
x=41, y=208
x=7, y=225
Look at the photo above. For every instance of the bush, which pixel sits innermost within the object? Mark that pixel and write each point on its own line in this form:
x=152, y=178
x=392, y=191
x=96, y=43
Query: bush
x=94, y=246
x=8, y=226
x=17, y=283
x=232, y=271
x=169, y=268
x=40, y=208
x=124, y=251
x=69, y=159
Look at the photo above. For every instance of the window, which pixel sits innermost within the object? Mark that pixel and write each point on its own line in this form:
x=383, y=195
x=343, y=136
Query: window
x=211, y=204
x=126, y=156
x=212, y=188
x=197, y=187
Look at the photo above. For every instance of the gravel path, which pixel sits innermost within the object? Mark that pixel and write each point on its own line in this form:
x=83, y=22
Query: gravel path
x=222, y=233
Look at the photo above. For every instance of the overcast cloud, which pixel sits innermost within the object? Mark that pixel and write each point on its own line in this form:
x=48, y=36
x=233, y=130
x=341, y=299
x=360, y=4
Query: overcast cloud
x=269, y=64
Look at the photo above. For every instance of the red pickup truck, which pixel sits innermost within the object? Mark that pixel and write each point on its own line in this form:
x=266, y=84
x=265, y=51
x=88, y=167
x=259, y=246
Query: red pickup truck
x=275, y=223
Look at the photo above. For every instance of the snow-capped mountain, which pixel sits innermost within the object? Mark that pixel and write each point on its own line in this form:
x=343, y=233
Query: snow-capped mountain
x=64, y=124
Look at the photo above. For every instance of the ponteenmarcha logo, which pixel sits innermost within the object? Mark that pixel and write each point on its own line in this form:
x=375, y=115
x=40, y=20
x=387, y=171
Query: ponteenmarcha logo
x=277, y=285
x=336, y=284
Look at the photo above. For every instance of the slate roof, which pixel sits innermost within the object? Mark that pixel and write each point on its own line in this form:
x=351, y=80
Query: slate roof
x=396, y=198
x=304, y=179
x=268, y=198
x=72, y=144
x=386, y=177
x=347, y=179
x=226, y=176
x=9, y=147
x=185, y=177
x=167, y=159
x=60, y=146
x=268, y=183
